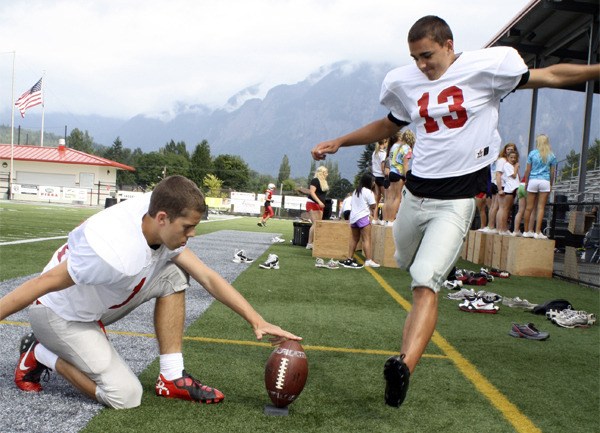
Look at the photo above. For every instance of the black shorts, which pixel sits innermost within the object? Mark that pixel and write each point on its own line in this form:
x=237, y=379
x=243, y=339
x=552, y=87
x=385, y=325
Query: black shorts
x=395, y=177
x=493, y=189
x=379, y=181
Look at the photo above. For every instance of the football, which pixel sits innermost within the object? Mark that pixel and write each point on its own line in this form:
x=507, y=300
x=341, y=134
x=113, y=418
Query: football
x=285, y=373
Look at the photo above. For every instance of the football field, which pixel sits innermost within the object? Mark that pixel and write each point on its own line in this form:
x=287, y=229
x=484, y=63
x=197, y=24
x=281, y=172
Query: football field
x=474, y=377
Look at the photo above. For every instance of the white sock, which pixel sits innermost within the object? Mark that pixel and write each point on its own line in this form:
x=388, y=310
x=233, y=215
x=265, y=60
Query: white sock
x=44, y=356
x=171, y=365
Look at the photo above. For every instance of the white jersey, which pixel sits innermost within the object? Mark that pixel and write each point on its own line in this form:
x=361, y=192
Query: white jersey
x=361, y=206
x=109, y=260
x=456, y=116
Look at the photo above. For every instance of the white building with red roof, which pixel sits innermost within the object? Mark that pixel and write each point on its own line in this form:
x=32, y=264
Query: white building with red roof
x=57, y=174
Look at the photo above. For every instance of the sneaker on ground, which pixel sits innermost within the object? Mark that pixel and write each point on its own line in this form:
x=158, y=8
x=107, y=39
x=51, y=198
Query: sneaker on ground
x=518, y=303
x=489, y=277
x=331, y=264
x=461, y=295
x=462, y=275
x=488, y=296
x=350, y=264
x=574, y=319
x=478, y=305
x=309, y=246
x=277, y=240
x=187, y=388
x=539, y=236
x=272, y=262
x=29, y=371
x=452, y=284
x=372, y=264
x=528, y=234
x=528, y=331
x=496, y=272
x=261, y=224
x=240, y=257
x=479, y=280
x=397, y=376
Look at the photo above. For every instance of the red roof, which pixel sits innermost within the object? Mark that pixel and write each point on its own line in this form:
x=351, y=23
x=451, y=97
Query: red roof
x=58, y=155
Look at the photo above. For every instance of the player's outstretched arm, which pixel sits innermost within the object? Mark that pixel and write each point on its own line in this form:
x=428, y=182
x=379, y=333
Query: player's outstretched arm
x=55, y=279
x=224, y=292
x=370, y=133
x=562, y=74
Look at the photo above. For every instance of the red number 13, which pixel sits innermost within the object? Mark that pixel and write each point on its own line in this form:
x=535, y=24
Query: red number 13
x=457, y=121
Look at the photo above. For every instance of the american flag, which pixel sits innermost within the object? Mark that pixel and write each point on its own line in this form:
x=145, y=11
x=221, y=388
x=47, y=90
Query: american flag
x=30, y=98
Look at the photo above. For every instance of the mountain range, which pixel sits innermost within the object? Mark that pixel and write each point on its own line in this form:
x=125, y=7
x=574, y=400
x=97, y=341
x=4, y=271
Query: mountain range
x=291, y=118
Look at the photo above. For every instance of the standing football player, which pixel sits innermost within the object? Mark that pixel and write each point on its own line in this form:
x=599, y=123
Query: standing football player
x=453, y=100
x=118, y=259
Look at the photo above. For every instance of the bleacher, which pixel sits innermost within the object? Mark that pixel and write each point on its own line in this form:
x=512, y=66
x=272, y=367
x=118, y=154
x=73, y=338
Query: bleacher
x=568, y=187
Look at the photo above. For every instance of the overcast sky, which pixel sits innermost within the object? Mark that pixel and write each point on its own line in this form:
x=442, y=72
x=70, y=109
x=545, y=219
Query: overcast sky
x=120, y=58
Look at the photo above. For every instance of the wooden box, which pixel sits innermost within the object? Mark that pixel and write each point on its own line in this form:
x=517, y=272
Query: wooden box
x=383, y=246
x=331, y=239
x=500, y=251
x=530, y=257
x=470, y=244
x=479, y=242
x=489, y=250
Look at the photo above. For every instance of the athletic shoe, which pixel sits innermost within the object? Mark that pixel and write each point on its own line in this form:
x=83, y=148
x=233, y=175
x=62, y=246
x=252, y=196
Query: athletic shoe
x=461, y=295
x=187, y=388
x=29, y=371
x=518, y=303
x=551, y=314
x=476, y=280
x=489, y=277
x=452, y=284
x=517, y=233
x=350, y=264
x=397, y=376
x=539, y=236
x=488, y=230
x=528, y=234
x=496, y=272
x=372, y=264
x=478, y=305
x=271, y=263
x=488, y=296
x=462, y=275
x=574, y=319
x=504, y=233
x=240, y=257
x=331, y=264
x=309, y=246
x=389, y=223
x=528, y=331
x=277, y=240
x=261, y=224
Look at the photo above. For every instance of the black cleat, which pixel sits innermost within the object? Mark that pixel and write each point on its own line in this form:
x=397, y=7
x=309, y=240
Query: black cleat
x=396, y=375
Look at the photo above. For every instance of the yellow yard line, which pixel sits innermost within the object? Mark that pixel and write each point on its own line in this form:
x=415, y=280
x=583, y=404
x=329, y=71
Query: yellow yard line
x=246, y=342
x=519, y=421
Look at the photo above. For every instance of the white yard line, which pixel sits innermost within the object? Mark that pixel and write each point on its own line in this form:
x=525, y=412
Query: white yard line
x=28, y=241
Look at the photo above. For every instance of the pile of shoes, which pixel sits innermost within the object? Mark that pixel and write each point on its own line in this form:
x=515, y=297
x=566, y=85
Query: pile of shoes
x=498, y=273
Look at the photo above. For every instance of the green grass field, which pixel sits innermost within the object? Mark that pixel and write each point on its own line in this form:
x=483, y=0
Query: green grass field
x=473, y=378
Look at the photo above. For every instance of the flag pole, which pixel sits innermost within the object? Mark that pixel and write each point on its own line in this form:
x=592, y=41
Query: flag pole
x=12, y=130
x=43, y=110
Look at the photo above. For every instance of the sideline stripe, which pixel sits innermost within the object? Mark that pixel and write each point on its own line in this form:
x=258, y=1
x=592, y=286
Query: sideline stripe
x=28, y=241
x=511, y=412
x=245, y=343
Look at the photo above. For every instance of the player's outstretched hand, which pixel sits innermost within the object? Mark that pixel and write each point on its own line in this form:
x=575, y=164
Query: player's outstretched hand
x=266, y=328
x=320, y=151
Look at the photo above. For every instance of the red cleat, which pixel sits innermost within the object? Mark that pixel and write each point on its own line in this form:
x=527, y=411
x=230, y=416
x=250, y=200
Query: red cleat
x=29, y=371
x=187, y=388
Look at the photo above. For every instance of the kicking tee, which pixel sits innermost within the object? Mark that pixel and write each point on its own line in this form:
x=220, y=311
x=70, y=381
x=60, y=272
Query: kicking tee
x=109, y=260
x=456, y=116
